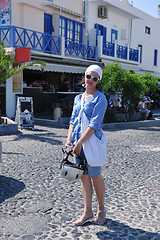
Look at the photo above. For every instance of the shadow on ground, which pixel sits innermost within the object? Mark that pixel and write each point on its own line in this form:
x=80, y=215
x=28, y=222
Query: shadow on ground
x=9, y=187
x=50, y=138
x=120, y=231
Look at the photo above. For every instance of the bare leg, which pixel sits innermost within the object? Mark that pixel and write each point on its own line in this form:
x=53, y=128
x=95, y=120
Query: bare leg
x=100, y=191
x=87, y=198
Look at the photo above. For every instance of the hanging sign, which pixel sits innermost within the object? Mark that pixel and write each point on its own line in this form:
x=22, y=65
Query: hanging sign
x=24, y=112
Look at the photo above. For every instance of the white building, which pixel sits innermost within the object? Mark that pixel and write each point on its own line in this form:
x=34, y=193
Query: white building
x=125, y=29
x=69, y=37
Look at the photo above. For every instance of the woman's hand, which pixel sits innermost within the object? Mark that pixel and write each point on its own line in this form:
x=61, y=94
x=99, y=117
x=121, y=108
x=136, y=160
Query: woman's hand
x=69, y=147
x=77, y=148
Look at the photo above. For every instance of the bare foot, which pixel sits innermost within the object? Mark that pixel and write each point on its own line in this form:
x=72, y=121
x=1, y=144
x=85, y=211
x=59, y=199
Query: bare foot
x=101, y=217
x=84, y=219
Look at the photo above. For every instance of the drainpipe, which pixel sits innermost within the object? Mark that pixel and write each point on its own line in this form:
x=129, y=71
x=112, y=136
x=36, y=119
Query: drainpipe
x=86, y=20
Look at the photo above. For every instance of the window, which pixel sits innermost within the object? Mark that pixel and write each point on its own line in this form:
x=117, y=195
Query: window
x=155, y=57
x=147, y=30
x=62, y=27
x=70, y=29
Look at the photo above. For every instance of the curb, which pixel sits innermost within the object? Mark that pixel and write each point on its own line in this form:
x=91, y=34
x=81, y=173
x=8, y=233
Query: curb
x=117, y=125
x=132, y=125
x=10, y=128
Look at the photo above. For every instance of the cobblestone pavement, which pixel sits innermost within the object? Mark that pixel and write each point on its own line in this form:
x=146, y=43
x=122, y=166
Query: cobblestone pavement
x=37, y=203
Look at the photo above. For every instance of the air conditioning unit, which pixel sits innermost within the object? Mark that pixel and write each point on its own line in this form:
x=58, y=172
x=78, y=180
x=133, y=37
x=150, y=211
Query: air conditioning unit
x=102, y=12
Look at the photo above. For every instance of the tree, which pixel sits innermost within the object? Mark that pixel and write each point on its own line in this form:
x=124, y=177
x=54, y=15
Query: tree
x=128, y=83
x=151, y=83
x=7, y=68
x=132, y=89
x=112, y=78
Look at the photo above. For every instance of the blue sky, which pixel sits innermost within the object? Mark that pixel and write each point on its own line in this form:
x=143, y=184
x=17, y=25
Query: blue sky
x=148, y=6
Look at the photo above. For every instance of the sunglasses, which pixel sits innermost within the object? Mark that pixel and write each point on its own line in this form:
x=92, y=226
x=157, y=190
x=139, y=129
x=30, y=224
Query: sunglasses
x=95, y=79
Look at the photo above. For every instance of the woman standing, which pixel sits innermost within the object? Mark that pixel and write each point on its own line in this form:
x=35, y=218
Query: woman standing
x=94, y=105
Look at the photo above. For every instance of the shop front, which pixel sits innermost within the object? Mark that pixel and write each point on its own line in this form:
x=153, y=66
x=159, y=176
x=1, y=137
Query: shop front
x=52, y=89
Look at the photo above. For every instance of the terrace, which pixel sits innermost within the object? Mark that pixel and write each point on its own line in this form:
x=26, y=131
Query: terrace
x=18, y=37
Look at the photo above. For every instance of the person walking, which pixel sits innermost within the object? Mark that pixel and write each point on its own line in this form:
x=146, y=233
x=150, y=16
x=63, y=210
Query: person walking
x=94, y=106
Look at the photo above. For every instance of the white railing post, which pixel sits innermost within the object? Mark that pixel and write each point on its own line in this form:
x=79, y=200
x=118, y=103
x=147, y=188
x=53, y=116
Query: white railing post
x=128, y=52
x=100, y=47
x=115, y=49
x=139, y=52
x=63, y=47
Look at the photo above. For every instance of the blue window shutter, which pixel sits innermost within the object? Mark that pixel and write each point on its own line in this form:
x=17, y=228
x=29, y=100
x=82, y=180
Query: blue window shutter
x=104, y=34
x=48, y=27
x=155, y=57
x=140, y=53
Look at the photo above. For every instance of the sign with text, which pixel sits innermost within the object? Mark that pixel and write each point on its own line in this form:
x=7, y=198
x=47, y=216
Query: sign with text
x=17, y=83
x=24, y=112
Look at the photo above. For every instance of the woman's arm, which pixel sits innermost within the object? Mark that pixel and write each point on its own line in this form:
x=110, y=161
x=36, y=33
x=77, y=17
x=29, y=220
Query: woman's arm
x=69, y=137
x=87, y=134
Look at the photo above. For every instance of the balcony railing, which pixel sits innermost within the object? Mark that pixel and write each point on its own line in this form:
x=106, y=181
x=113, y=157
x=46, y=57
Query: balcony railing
x=133, y=54
x=118, y=51
x=80, y=50
x=20, y=37
x=121, y=52
x=108, y=49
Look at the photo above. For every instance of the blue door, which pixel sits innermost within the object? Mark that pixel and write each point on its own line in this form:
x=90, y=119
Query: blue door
x=114, y=35
x=100, y=31
x=48, y=29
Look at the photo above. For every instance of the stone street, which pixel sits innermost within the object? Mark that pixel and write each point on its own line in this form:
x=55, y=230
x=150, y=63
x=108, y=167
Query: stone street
x=37, y=203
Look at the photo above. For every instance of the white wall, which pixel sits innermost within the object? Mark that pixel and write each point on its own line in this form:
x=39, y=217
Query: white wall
x=148, y=41
x=134, y=25
x=30, y=14
x=114, y=21
x=10, y=99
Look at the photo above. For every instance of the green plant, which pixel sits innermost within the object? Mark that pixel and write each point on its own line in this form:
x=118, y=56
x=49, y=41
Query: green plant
x=112, y=78
x=151, y=83
x=132, y=86
x=7, y=68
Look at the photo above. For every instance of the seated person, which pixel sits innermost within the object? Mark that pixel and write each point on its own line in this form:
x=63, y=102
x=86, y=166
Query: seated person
x=65, y=99
x=124, y=109
x=64, y=87
x=142, y=107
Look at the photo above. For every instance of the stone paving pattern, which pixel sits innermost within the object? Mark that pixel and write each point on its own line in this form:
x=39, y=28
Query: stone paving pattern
x=37, y=203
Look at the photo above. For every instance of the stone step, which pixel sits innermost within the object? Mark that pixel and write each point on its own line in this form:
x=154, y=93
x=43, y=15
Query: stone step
x=156, y=115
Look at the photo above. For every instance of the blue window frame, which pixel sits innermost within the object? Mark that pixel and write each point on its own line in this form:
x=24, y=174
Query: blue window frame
x=155, y=57
x=114, y=35
x=71, y=30
x=140, y=53
x=100, y=31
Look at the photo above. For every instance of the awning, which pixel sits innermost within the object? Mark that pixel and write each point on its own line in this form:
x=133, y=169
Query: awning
x=60, y=68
